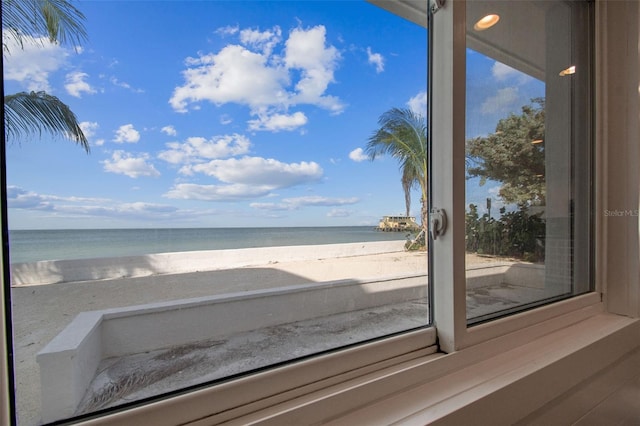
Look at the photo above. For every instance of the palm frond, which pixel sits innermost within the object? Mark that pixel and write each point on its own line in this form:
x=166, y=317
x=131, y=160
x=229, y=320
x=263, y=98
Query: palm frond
x=28, y=114
x=59, y=20
x=402, y=135
x=64, y=21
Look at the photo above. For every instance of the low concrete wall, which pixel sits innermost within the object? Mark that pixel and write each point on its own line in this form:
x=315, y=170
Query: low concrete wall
x=484, y=275
x=66, y=364
x=69, y=362
x=55, y=271
x=526, y=274
x=519, y=274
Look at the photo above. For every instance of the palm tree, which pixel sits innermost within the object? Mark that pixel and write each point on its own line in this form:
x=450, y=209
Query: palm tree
x=36, y=112
x=32, y=113
x=403, y=136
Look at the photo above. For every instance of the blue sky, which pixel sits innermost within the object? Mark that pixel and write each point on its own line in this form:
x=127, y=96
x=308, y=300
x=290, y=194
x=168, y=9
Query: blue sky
x=220, y=114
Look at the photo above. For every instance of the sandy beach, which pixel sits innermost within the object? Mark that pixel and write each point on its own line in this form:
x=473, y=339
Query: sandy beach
x=40, y=312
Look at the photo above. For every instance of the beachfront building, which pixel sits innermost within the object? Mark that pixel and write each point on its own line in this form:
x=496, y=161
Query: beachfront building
x=397, y=224
x=570, y=355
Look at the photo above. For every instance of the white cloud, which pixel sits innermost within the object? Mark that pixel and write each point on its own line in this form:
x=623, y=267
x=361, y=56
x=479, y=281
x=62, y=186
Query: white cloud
x=127, y=164
x=277, y=122
x=148, y=207
x=76, y=84
x=271, y=206
x=375, y=59
x=298, y=202
x=247, y=177
x=191, y=191
x=137, y=210
x=264, y=41
x=126, y=133
x=31, y=64
x=339, y=213
x=267, y=82
x=358, y=155
x=169, y=130
x=228, y=30
x=74, y=206
x=502, y=102
x=235, y=74
x=89, y=128
x=418, y=104
x=260, y=171
x=124, y=85
x=19, y=198
x=502, y=72
x=198, y=149
x=316, y=200
x=306, y=50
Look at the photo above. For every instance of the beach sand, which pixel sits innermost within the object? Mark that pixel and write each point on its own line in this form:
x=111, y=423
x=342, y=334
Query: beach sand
x=41, y=312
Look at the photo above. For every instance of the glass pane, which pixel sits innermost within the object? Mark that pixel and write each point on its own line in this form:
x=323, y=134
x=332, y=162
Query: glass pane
x=528, y=154
x=226, y=218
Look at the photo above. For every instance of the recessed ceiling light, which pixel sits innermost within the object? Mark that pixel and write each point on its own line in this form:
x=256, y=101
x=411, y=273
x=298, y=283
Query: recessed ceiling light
x=486, y=22
x=568, y=71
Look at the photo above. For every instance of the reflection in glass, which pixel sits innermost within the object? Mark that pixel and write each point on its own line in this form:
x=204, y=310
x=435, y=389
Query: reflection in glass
x=527, y=156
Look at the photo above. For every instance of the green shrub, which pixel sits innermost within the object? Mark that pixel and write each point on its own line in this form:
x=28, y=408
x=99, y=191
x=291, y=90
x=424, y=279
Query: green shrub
x=516, y=234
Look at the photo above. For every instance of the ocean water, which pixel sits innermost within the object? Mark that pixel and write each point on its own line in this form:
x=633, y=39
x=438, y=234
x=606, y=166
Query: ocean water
x=35, y=245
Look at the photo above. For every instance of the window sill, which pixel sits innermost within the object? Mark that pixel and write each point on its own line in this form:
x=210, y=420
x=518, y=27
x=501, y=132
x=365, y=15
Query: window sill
x=499, y=387
x=401, y=378
x=506, y=388
x=259, y=391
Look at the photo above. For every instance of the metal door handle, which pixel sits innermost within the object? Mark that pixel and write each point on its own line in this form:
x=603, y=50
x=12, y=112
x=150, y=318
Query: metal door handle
x=438, y=222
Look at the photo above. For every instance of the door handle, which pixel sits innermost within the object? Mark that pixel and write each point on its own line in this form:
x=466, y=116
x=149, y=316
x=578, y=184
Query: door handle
x=438, y=222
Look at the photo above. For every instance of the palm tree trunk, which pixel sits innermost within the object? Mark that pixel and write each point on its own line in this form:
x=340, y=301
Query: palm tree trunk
x=406, y=187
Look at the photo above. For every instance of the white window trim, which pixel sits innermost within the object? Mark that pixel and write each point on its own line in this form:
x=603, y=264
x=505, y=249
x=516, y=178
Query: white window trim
x=448, y=153
x=486, y=384
x=375, y=385
x=448, y=165
x=618, y=153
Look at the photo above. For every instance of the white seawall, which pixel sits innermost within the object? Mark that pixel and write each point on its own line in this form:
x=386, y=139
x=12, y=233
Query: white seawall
x=57, y=271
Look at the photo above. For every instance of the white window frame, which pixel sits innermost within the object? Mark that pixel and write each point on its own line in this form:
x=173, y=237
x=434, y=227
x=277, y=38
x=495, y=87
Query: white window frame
x=377, y=375
x=448, y=169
